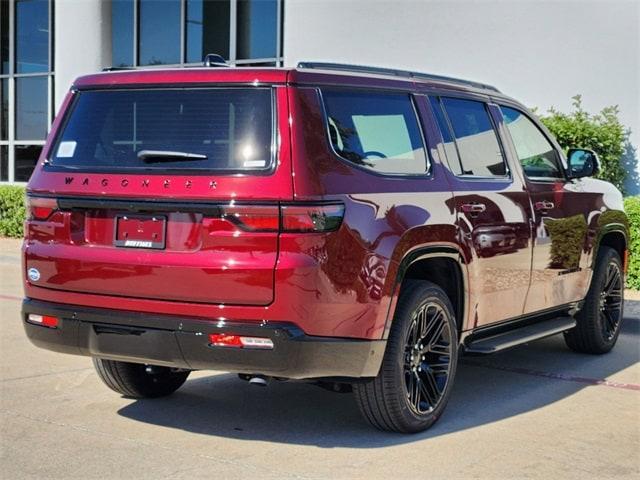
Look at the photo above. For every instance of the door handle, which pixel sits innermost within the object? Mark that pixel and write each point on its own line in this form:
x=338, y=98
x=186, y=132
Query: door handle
x=473, y=208
x=544, y=205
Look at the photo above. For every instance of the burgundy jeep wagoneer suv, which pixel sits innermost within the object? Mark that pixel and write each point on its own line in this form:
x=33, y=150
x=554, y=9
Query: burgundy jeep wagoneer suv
x=352, y=226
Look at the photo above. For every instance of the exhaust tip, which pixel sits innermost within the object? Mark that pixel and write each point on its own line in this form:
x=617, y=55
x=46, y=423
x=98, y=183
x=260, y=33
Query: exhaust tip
x=258, y=381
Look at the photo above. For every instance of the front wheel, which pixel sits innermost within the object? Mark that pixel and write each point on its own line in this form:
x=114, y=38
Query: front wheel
x=598, y=322
x=415, y=379
x=135, y=380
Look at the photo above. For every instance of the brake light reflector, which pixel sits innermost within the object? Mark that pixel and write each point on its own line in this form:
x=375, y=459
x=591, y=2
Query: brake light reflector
x=44, y=320
x=41, y=208
x=312, y=218
x=238, y=341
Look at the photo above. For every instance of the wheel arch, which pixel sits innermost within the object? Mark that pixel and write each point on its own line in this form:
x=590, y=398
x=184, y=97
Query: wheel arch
x=614, y=236
x=443, y=265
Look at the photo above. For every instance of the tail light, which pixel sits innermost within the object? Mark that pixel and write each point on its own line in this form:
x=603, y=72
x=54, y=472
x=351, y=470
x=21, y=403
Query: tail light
x=301, y=218
x=256, y=218
x=41, y=208
x=312, y=218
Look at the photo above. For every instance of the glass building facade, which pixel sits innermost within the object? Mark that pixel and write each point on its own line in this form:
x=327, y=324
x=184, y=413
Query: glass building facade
x=26, y=76
x=182, y=32
x=144, y=33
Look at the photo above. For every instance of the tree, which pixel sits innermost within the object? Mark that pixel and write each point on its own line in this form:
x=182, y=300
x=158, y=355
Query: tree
x=603, y=133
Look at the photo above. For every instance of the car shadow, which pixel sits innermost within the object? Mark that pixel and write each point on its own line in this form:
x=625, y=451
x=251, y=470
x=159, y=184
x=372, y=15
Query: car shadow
x=487, y=389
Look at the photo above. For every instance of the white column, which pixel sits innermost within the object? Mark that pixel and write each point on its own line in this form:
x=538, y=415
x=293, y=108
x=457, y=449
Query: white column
x=82, y=41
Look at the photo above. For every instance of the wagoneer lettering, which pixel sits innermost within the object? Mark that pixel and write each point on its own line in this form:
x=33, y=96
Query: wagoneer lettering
x=364, y=228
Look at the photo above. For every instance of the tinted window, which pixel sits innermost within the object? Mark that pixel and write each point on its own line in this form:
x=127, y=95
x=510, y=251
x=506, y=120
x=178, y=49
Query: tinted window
x=122, y=33
x=25, y=157
x=223, y=128
x=535, y=152
x=159, y=32
x=32, y=36
x=4, y=108
x=378, y=131
x=447, y=138
x=31, y=108
x=257, y=28
x=207, y=28
x=475, y=138
x=4, y=163
x=4, y=37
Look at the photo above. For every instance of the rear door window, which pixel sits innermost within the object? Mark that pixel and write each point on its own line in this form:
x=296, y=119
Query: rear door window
x=163, y=129
x=379, y=131
x=475, y=138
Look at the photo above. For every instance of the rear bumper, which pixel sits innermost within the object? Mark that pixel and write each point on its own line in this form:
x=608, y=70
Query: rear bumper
x=183, y=343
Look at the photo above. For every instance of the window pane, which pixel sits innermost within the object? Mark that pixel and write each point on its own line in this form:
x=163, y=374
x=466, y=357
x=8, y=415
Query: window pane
x=221, y=128
x=31, y=108
x=447, y=138
x=159, y=32
x=4, y=37
x=32, y=36
x=536, y=154
x=476, y=139
x=26, y=157
x=377, y=131
x=257, y=29
x=4, y=109
x=122, y=33
x=207, y=29
x=4, y=163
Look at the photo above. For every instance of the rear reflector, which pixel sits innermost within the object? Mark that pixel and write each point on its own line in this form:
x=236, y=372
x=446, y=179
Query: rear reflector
x=41, y=208
x=312, y=218
x=238, y=341
x=44, y=320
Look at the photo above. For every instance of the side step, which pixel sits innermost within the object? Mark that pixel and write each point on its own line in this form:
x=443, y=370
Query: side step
x=511, y=338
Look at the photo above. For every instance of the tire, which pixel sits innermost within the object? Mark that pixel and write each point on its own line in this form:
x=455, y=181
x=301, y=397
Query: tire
x=134, y=381
x=394, y=400
x=598, y=322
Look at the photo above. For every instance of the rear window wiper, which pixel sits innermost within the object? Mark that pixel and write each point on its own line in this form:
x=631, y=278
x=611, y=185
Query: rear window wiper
x=151, y=156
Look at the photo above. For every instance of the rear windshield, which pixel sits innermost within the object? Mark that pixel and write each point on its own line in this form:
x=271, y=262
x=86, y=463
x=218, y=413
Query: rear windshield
x=165, y=129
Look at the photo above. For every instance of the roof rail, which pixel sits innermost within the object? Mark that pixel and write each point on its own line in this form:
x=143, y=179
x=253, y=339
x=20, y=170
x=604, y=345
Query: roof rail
x=394, y=72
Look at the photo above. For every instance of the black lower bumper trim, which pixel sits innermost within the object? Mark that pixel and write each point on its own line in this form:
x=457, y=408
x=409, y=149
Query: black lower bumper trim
x=183, y=343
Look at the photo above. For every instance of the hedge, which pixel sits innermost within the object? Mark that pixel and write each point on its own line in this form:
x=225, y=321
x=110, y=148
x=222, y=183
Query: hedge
x=632, y=207
x=12, y=211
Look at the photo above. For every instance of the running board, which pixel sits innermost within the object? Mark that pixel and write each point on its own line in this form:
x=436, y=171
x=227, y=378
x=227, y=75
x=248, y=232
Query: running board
x=518, y=336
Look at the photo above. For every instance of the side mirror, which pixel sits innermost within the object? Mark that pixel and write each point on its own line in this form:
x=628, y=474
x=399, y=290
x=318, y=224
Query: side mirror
x=582, y=163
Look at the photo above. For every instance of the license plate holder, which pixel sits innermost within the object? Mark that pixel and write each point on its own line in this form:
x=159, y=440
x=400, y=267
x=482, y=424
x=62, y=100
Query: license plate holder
x=140, y=231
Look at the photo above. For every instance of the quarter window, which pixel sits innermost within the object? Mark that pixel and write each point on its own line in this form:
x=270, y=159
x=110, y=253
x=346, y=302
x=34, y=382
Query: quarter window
x=378, y=131
x=475, y=138
x=536, y=154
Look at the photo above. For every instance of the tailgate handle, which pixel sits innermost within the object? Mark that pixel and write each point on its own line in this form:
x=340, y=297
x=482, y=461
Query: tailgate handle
x=116, y=330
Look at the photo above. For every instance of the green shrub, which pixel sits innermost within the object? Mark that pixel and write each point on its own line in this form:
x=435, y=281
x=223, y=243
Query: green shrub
x=603, y=133
x=12, y=211
x=632, y=207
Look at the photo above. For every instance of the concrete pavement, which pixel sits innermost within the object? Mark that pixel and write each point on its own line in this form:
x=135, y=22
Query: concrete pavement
x=537, y=411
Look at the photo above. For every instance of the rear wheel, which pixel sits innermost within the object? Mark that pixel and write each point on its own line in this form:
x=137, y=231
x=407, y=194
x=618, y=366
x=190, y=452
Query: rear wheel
x=413, y=386
x=598, y=323
x=139, y=381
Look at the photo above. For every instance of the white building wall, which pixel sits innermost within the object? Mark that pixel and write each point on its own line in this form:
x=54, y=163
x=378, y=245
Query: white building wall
x=82, y=41
x=540, y=52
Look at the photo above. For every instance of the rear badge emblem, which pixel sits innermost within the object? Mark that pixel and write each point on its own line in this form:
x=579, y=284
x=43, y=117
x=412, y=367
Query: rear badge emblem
x=33, y=274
